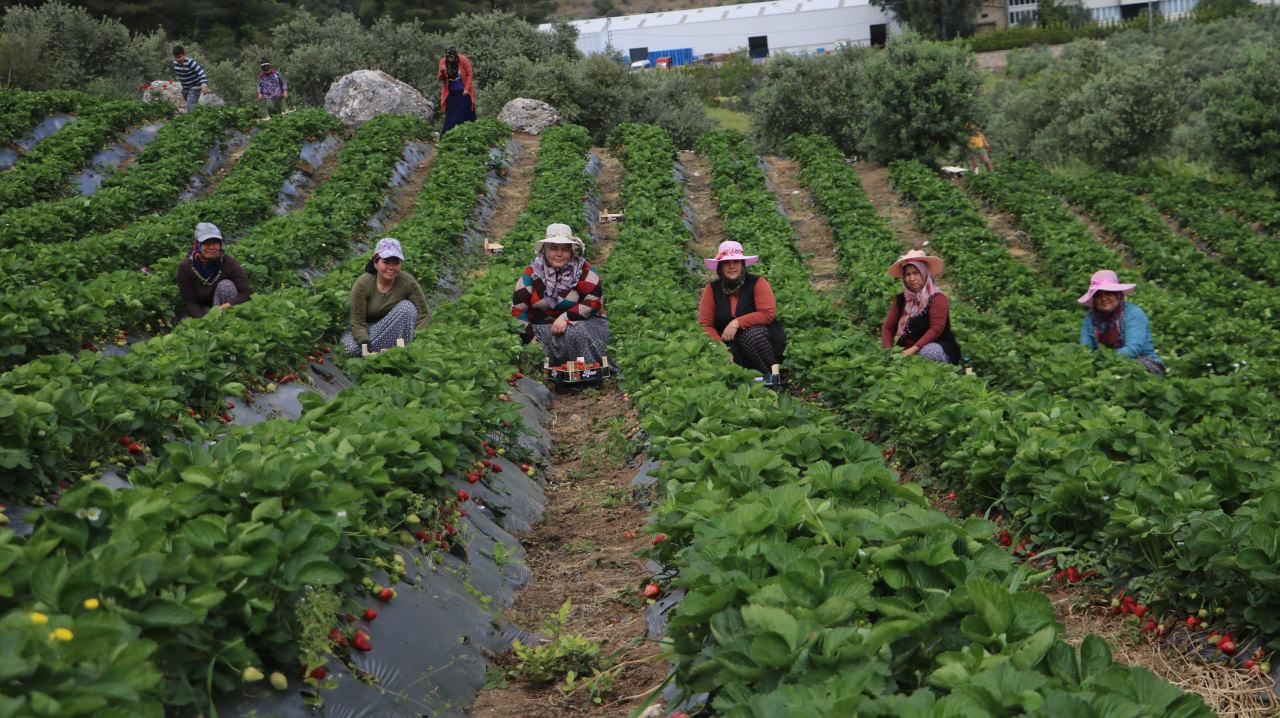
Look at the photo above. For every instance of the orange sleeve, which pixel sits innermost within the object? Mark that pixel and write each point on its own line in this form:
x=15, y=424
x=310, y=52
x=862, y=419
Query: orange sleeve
x=766, y=306
x=890, y=326
x=707, y=314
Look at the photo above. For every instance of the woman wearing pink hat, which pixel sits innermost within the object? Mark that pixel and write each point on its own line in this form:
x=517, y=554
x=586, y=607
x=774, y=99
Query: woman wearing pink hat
x=387, y=303
x=919, y=318
x=739, y=310
x=1115, y=323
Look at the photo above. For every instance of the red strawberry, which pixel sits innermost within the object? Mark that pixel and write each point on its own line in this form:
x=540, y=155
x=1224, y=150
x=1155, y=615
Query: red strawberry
x=679, y=714
x=1191, y=621
x=473, y=476
x=224, y=417
x=1005, y=539
x=319, y=673
x=124, y=440
x=490, y=451
x=629, y=535
x=652, y=591
x=422, y=535
x=230, y=405
x=191, y=412
x=524, y=467
x=370, y=614
x=495, y=468
x=386, y=594
x=134, y=448
x=1227, y=646
x=463, y=495
x=951, y=496
x=335, y=634
x=659, y=539
x=1073, y=575
x=1139, y=610
x=361, y=643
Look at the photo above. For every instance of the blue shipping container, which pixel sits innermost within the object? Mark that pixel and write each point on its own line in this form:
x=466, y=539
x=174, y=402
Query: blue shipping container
x=683, y=56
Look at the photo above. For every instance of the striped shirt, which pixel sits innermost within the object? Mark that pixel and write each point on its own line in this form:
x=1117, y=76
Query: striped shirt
x=190, y=74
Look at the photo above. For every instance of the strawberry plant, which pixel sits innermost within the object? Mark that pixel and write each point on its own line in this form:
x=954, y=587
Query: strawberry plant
x=151, y=183
x=813, y=578
x=41, y=172
x=21, y=110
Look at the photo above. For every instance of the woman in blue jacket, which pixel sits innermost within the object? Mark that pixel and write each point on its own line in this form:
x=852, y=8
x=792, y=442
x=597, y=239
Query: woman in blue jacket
x=1113, y=322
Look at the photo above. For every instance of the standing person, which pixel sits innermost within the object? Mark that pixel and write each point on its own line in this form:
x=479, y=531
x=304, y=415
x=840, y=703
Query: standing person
x=1114, y=323
x=272, y=88
x=739, y=310
x=560, y=301
x=979, y=149
x=191, y=76
x=457, y=95
x=387, y=303
x=209, y=277
x=919, y=318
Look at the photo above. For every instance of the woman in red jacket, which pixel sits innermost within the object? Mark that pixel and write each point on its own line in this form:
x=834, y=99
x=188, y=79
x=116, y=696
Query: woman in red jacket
x=457, y=94
x=739, y=310
x=919, y=318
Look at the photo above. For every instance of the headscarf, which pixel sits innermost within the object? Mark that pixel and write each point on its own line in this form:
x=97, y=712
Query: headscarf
x=206, y=269
x=1108, y=326
x=917, y=302
x=557, y=282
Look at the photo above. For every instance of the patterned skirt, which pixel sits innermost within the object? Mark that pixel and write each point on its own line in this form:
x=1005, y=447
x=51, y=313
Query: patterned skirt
x=398, y=324
x=587, y=339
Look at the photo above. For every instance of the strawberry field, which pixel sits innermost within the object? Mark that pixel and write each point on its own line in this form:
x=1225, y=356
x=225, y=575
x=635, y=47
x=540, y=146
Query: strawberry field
x=222, y=516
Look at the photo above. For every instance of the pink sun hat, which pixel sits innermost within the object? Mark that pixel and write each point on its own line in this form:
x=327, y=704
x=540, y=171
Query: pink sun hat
x=1104, y=280
x=729, y=251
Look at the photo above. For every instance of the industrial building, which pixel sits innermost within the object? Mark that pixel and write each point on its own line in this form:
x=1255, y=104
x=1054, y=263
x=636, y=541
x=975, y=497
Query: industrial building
x=764, y=28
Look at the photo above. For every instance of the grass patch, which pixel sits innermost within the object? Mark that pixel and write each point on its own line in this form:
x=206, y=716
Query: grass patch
x=729, y=119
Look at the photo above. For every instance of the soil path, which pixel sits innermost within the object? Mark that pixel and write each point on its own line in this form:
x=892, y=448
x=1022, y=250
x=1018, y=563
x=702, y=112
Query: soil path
x=580, y=551
x=890, y=205
x=708, y=232
x=513, y=193
x=1101, y=236
x=813, y=236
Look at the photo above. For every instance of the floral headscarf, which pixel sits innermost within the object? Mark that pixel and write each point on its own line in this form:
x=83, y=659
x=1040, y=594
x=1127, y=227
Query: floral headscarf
x=917, y=302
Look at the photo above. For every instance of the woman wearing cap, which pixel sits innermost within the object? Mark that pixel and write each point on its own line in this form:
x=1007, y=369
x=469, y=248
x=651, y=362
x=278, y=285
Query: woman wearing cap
x=272, y=88
x=1113, y=322
x=919, y=318
x=739, y=310
x=386, y=303
x=558, y=299
x=208, y=277
x=457, y=94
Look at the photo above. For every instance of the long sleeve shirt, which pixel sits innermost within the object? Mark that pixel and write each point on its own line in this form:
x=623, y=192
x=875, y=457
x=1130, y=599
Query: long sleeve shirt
x=368, y=305
x=272, y=84
x=465, y=74
x=766, y=309
x=939, y=308
x=190, y=74
x=197, y=295
x=1135, y=329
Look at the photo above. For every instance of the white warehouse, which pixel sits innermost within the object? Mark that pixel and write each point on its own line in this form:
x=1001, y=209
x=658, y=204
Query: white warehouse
x=790, y=26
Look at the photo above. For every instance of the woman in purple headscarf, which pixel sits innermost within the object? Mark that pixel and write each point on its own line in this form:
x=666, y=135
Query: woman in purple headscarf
x=919, y=318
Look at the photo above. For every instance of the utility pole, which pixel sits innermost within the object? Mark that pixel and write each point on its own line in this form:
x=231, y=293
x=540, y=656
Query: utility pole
x=1151, y=18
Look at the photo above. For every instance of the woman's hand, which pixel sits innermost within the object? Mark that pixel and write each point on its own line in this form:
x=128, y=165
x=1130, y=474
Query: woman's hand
x=560, y=324
x=908, y=351
x=730, y=331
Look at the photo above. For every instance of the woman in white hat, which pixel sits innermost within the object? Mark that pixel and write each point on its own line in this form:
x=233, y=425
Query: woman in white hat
x=208, y=277
x=1113, y=322
x=919, y=318
x=386, y=303
x=739, y=310
x=559, y=300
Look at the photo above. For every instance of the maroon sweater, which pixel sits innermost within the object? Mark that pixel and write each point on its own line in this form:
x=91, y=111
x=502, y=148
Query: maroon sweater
x=939, y=308
x=197, y=295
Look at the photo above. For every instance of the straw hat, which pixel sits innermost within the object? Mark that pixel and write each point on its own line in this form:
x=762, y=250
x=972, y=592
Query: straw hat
x=730, y=251
x=935, y=264
x=559, y=234
x=1104, y=280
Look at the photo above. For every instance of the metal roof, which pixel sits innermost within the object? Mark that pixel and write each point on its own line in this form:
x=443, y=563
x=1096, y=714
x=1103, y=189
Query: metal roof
x=710, y=14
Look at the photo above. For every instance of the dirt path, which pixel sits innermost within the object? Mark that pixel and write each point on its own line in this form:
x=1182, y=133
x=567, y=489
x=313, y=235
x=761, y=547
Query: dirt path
x=580, y=551
x=513, y=194
x=875, y=183
x=813, y=236
x=708, y=232
x=1100, y=235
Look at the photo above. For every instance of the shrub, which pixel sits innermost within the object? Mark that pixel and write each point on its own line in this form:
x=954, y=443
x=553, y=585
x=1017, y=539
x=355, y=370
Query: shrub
x=1244, y=117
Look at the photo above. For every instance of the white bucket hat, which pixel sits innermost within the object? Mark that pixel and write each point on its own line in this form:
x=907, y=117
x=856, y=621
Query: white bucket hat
x=558, y=234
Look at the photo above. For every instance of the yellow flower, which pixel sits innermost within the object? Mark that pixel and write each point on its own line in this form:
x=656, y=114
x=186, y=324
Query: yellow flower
x=39, y=618
x=62, y=634
x=92, y=604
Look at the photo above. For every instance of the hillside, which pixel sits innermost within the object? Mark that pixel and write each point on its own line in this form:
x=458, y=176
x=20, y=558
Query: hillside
x=583, y=9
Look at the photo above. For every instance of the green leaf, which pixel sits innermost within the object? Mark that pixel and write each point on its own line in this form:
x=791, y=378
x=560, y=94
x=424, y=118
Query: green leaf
x=992, y=602
x=272, y=508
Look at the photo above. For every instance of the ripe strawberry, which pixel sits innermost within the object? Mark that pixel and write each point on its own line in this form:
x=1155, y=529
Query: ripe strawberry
x=495, y=468
x=629, y=535
x=124, y=440
x=473, y=476
x=1191, y=622
x=319, y=673
x=1249, y=664
x=524, y=467
x=463, y=495
x=1073, y=575
x=422, y=535
x=1139, y=610
x=335, y=633
x=659, y=539
x=1149, y=626
x=370, y=614
x=652, y=591
x=230, y=405
x=134, y=448
x=191, y=412
x=490, y=451
x=224, y=417
x=361, y=643
x=679, y=714
x=1005, y=539
x=951, y=496
x=386, y=594
x=1226, y=645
